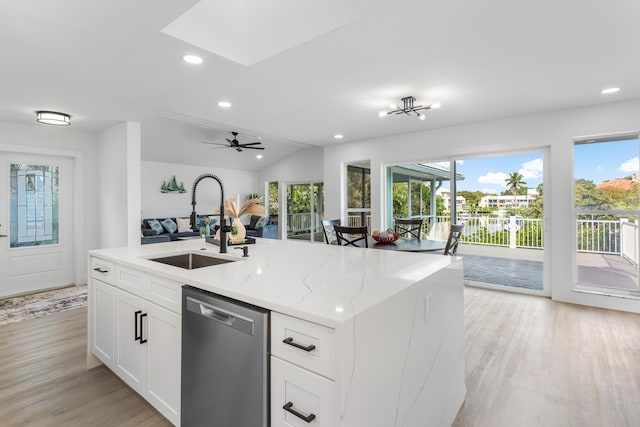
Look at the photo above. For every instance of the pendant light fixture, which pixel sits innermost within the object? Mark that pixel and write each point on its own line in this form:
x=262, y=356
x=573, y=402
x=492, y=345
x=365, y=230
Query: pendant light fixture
x=53, y=118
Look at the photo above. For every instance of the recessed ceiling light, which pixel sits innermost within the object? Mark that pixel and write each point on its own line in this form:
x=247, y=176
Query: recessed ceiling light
x=435, y=106
x=422, y=117
x=53, y=118
x=259, y=156
x=224, y=104
x=610, y=90
x=192, y=59
x=338, y=136
x=382, y=114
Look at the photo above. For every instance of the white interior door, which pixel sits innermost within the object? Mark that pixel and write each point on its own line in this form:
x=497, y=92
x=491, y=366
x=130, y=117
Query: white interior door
x=36, y=218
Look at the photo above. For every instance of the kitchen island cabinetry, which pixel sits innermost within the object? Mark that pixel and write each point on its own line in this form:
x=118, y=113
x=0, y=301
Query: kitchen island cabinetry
x=358, y=337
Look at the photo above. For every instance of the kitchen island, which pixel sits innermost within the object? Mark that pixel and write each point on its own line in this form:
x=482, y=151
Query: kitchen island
x=386, y=328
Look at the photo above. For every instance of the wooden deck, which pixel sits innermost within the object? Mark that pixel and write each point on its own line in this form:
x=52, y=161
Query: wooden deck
x=521, y=268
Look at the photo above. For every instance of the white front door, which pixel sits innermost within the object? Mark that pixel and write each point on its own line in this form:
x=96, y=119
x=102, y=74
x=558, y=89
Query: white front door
x=36, y=222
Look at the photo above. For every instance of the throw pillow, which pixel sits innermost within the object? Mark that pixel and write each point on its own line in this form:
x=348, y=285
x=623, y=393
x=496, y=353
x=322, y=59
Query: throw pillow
x=155, y=225
x=169, y=225
x=262, y=222
x=253, y=222
x=184, y=224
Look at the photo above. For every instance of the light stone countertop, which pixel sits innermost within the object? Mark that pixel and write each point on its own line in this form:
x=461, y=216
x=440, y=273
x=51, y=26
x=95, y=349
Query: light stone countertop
x=324, y=284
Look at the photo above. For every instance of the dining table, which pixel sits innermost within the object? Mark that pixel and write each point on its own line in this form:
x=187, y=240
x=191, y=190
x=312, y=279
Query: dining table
x=409, y=245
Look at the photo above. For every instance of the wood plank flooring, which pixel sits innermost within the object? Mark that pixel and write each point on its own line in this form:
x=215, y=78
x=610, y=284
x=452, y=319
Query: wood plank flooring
x=44, y=382
x=534, y=362
x=530, y=362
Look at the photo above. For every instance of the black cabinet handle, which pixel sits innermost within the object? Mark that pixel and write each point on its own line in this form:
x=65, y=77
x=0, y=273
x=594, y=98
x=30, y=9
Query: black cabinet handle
x=289, y=408
x=142, y=340
x=100, y=270
x=138, y=336
x=289, y=341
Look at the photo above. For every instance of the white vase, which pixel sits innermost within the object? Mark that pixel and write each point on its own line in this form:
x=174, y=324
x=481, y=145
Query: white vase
x=241, y=232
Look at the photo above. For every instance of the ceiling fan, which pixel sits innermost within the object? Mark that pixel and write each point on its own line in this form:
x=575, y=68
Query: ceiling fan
x=233, y=143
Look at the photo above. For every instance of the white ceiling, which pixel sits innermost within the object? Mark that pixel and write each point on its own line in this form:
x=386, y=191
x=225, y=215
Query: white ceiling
x=106, y=62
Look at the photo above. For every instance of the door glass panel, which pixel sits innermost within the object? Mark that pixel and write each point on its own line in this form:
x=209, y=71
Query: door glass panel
x=359, y=195
x=305, y=206
x=273, y=204
x=33, y=205
x=607, y=204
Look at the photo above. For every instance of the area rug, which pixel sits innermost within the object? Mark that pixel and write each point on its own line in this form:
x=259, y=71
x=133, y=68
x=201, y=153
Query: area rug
x=42, y=303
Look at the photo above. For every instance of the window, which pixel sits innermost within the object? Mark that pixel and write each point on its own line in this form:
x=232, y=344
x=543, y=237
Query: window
x=33, y=205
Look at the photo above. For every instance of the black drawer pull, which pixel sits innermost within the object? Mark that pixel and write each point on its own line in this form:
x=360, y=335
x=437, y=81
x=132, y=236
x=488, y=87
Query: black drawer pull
x=142, y=316
x=99, y=270
x=289, y=408
x=289, y=341
x=138, y=336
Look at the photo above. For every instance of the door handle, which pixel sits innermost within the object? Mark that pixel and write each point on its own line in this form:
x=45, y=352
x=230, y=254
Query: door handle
x=137, y=336
x=289, y=408
x=142, y=316
x=289, y=341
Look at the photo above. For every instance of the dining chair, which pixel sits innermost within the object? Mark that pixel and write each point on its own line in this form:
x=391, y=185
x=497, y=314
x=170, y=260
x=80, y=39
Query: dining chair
x=352, y=236
x=455, y=233
x=412, y=227
x=329, y=233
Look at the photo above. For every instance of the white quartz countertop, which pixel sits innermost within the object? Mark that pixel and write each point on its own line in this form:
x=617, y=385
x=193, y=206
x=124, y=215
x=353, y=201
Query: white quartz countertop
x=312, y=281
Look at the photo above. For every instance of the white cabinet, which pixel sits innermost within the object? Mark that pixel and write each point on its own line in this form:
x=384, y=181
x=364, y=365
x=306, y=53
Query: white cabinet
x=138, y=339
x=130, y=344
x=299, y=397
x=302, y=371
x=162, y=360
x=102, y=322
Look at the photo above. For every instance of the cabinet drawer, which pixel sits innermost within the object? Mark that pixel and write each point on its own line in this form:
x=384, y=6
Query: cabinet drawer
x=130, y=280
x=164, y=292
x=303, y=343
x=303, y=393
x=103, y=270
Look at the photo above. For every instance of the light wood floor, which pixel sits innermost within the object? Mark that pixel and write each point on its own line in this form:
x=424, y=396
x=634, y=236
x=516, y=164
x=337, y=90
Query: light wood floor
x=530, y=362
x=534, y=362
x=44, y=382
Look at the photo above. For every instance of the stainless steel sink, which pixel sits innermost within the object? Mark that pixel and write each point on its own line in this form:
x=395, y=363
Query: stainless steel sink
x=191, y=261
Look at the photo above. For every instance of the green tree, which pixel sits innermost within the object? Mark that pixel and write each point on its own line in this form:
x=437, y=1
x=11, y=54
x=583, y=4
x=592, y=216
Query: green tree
x=515, y=182
x=472, y=198
x=586, y=194
x=536, y=208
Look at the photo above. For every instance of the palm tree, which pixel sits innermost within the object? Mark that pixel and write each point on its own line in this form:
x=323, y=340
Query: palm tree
x=515, y=183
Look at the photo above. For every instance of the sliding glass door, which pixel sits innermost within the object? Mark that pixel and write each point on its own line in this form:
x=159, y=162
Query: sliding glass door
x=305, y=209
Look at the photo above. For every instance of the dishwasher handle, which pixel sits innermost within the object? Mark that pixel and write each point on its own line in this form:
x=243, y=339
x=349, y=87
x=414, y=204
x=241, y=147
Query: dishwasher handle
x=220, y=315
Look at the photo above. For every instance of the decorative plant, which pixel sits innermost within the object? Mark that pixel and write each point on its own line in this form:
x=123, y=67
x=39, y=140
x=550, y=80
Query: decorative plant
x=250, y=207
x=253, y=196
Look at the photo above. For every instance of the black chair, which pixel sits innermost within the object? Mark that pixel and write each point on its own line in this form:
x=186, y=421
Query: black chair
x=455, y=233
x=352, y=236
x=412, y=227
x=329, y=233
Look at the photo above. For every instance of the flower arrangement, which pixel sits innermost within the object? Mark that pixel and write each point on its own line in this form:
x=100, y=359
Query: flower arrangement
x=250, y=207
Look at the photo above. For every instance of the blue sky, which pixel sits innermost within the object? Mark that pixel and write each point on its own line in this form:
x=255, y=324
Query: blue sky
x=597, y=162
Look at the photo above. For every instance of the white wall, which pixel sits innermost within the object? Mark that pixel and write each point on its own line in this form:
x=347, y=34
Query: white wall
x=554, y=129
x=303, y=165
x=82, y=147
x=119, y=187
x=162, y=205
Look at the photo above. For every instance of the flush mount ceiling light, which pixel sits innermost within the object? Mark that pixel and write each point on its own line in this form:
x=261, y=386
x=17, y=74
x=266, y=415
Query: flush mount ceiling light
x=409, y=108
x=610, y=90
x=192, y=59
x=53, y=118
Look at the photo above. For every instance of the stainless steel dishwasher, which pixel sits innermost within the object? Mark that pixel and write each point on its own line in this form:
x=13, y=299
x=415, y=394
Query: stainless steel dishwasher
x=225, y=362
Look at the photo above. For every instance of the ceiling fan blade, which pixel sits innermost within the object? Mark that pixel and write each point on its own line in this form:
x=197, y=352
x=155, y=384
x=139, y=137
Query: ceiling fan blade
x=250, y=143
x=217, y=148
x=215, y=143
x=239, y=150
x=230, y=141
x=254, y=148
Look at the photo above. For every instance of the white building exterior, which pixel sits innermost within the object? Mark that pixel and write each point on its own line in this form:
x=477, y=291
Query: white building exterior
x=509, y=202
